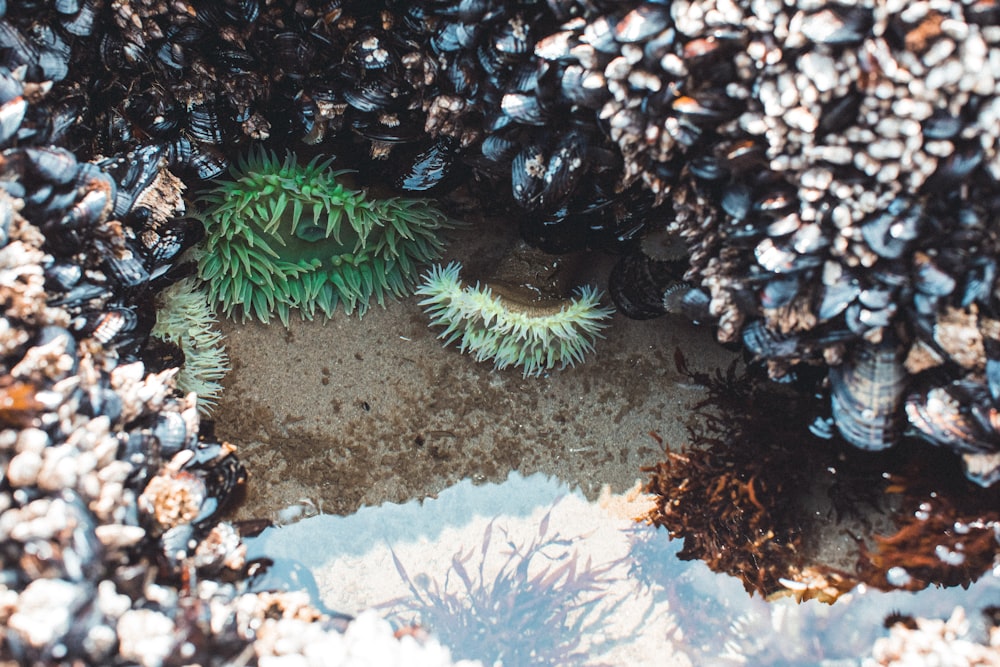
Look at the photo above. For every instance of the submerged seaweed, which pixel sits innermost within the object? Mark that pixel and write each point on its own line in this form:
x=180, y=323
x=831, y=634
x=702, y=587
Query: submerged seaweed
x=525, y=614
x=739, y=497
x=947, y=529
x=728, y=495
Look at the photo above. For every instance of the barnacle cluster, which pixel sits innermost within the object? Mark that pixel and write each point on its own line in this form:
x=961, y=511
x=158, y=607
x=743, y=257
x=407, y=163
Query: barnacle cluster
x=282, y=236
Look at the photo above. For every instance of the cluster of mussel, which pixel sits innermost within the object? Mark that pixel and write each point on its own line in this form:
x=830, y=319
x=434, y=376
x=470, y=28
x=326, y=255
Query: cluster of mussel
x=817, y=179
x=112, y=550
x=829, y=172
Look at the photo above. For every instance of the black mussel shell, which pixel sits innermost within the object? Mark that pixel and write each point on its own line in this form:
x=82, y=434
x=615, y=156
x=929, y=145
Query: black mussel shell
x=867, y=394
x=765, y=343
x=430, y=167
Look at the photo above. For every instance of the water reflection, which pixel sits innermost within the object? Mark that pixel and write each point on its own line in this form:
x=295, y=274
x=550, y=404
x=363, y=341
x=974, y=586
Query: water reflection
x=530, y=572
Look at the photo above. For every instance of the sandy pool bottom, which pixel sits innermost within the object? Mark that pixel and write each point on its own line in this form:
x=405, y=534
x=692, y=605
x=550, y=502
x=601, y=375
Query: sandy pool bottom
x=358, y=411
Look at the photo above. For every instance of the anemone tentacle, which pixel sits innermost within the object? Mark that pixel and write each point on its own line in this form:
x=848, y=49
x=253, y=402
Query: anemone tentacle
x=488, y=323
x=282, y=236
x=185, y=318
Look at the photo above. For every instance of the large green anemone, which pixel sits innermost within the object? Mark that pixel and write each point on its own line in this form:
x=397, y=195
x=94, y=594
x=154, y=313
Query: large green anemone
x=184, y=317
x=509, y=325
x=282, y=236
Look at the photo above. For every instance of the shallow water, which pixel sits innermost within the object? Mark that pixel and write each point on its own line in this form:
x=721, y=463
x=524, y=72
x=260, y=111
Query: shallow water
x=365, y=418
x=430, y=562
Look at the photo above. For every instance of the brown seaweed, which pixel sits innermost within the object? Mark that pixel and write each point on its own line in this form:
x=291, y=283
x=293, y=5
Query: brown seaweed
x=947, y=529
x=727, y=493
x=736, y=493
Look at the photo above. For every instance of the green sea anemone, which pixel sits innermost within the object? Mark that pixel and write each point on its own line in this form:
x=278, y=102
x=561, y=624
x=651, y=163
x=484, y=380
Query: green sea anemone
x=184, y=317
x=281, y=235
x=499, y=322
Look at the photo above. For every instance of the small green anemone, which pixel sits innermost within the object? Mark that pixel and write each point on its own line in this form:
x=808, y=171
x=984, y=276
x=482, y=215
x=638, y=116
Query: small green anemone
x=500, y=322
x=282, y=236
x=184, y=317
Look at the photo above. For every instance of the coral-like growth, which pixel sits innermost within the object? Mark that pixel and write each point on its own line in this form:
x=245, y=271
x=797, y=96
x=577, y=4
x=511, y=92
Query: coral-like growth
x=493, y=321
x=185, y=317
x=281, y=235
